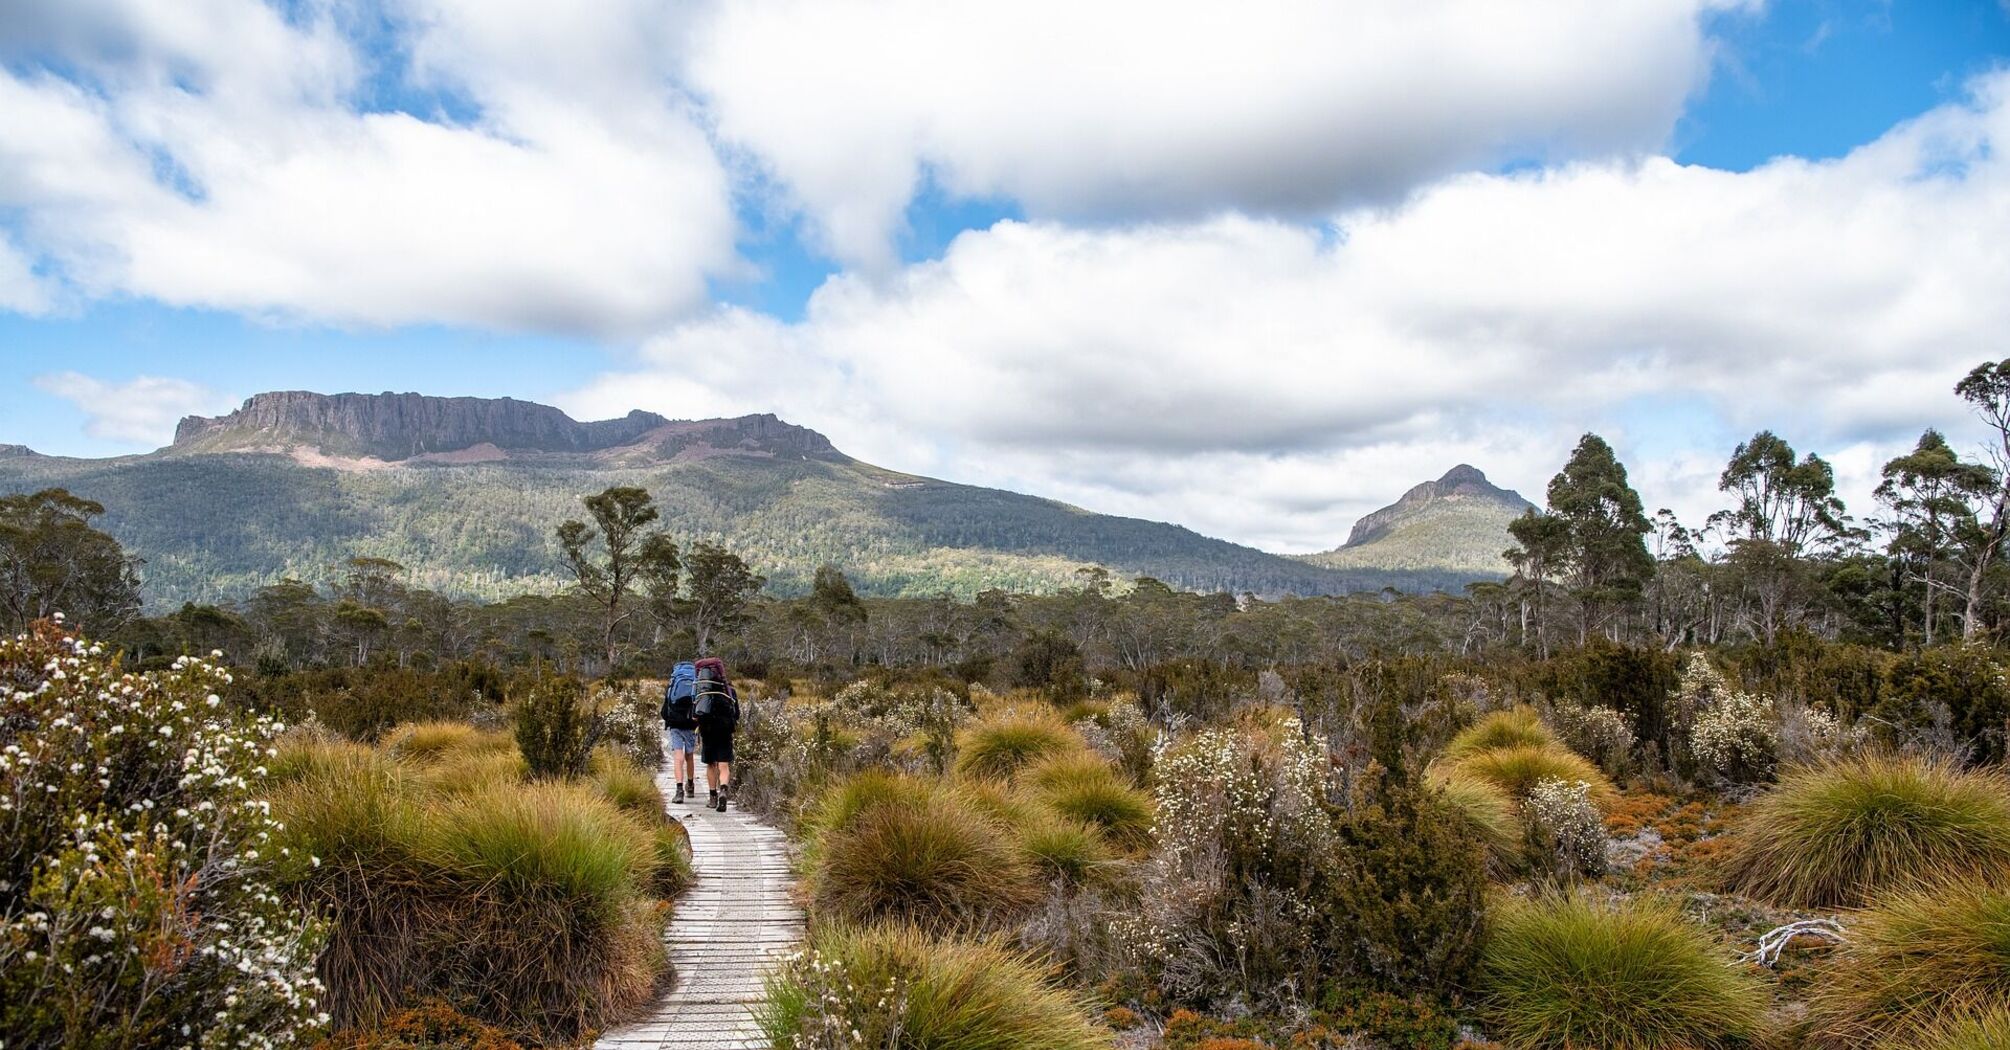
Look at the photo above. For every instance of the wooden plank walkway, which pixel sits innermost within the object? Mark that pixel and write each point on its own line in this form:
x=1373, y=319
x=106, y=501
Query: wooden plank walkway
x=730, y=929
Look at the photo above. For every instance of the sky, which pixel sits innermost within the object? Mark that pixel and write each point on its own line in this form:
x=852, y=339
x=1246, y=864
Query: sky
x=1253, y=268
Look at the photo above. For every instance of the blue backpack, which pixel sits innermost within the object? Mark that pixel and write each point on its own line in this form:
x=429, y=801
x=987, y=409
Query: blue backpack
x=680, y=697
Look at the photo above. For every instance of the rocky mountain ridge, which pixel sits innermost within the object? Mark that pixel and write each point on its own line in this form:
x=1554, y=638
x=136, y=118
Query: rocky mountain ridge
x=397, y=427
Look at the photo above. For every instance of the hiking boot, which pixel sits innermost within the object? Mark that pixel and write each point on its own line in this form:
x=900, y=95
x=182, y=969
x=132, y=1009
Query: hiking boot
x=721, y=804
x=680, y=794
x=691, y=788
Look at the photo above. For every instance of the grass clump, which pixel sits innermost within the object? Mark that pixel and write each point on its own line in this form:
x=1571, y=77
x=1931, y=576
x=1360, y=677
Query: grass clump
x=1838, y=834
x=1488, y=813
x=1517, y=769
x=625, y=783
x=896, y=986
x=469, y=772
x=1083, y=787
x=672, y=845
x=430, y=741
x=1064, y=850
x=1567, y=973
x=1921, y=961
x=936, y=863
x=1519, y=727
x=999, y=744
x=1988, y=1030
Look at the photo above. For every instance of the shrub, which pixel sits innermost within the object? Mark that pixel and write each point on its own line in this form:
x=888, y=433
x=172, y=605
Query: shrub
x=1598, y=733
x=631, y=722
x=1565, y=827
x=429, y=1026
x=1567, y=973
x=1835, y=835
x=1737, y=739
x=555, y=730
x=1082, y=787
x=138, y=899
x=1965, y=685
x=1517, y=770
x=1519, y=727
x=998, y=745
x=894, y=986
x=1921, y=959
x=936, y=863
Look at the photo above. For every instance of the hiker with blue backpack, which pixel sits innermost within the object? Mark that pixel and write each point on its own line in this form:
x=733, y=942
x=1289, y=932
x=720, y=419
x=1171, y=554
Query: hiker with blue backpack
x=680, y=717
x=718, y=710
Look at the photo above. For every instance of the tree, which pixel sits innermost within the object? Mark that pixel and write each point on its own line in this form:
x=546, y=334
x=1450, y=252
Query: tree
x=1602, y=516
x=1986, y=388
x=836, y=605
x=1786, y=512
x=1542, y=546
x=52, y=560
x=718, y=587
x=630, y=554
x=1934, y=495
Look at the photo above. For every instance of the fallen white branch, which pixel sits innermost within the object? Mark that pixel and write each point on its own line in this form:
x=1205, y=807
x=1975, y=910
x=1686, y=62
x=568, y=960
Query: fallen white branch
x=1776, y=940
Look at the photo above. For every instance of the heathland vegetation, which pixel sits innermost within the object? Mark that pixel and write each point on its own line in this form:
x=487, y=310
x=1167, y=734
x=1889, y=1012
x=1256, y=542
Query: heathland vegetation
x=1661, y=789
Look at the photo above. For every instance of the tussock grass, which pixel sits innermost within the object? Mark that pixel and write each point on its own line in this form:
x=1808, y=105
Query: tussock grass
x=1083, y=786
x=1569, y=974
x=1068, y=851
x=673, y=871
x=430, y=741
x=626, y=784
x=473, y=771
x=844, y=802
x=1515, y=770
x=937, y=863
x=1988, y=1030
x=945, y=995
x=1838, y=834
x=999, y=744
x=1489, y=812
x=1520, y=727
x=1918, y=961
x=526, y=905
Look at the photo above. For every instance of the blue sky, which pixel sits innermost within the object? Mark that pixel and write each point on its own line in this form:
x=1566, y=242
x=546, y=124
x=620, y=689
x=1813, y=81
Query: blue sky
x=742, y=218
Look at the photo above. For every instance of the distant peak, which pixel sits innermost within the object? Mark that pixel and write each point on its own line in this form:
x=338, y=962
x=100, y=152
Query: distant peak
x=17, y=450
x=1464, y=483
x=1464, y=474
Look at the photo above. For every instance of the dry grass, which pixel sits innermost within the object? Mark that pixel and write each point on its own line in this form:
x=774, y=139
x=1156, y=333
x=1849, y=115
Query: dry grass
x=1516, y=770
x=937, y=864
x=1520, y=727
x=1919, y=961
x=1571, y=974
x=1837, y=835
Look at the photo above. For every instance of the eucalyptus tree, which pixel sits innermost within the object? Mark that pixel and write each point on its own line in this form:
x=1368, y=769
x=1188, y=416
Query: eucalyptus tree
x=1936, y=501
x=617, y=555
x=53, y=560
x=1601, y=530
x=1785, y=513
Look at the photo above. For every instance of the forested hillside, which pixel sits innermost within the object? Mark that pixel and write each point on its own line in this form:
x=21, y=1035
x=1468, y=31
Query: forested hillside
x=216, y=525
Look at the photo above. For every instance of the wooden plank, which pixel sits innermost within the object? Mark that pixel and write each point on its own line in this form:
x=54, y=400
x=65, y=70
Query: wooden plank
x=730, y=930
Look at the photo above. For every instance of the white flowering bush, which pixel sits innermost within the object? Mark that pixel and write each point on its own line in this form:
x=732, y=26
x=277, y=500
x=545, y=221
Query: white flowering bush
x=138, y=862
x=632, y=721
x=1598, y=733
x=1737, y=740
x=1811, y=735
x=1565, y=824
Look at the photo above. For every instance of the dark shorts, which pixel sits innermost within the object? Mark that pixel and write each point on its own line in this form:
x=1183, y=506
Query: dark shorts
x=715, y=746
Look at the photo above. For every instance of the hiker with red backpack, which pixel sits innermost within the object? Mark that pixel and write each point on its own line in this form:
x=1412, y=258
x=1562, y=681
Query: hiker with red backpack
x=680, y=718
x=718, y=710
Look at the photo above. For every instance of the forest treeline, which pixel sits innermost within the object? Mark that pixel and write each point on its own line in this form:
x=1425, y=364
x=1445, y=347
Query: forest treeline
x=1783, y=568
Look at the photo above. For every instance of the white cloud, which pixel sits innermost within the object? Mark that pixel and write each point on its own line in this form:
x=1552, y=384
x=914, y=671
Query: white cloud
x=1268, y=381
x=142, y=411
x=1173, y=109
x=21, y=291
x=217, y=154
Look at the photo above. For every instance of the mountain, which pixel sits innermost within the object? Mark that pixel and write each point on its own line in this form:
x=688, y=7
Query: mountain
x=1456, y=525
x=467, y=491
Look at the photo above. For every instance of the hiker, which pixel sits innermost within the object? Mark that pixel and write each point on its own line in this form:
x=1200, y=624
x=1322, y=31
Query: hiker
x=718, y=710
x=680, y=717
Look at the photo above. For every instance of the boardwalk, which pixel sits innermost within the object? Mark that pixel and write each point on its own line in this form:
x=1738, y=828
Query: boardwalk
x=737, y=919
